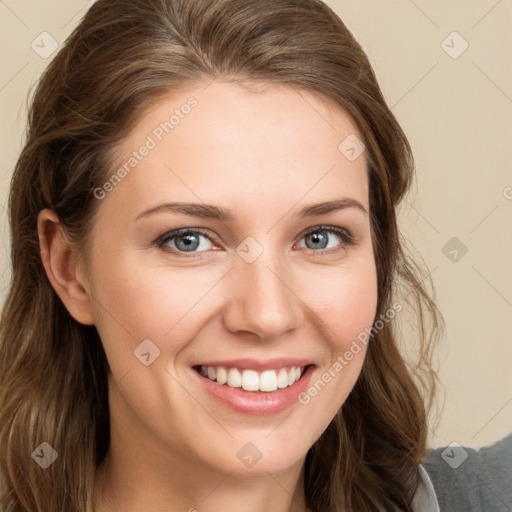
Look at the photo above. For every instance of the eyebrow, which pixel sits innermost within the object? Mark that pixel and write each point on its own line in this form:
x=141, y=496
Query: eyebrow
x=208, y=211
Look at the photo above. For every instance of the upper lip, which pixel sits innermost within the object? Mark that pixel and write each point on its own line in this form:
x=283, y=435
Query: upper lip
x=258, y=365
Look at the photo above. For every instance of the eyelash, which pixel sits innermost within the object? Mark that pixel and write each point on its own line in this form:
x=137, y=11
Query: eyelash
x=347, y=239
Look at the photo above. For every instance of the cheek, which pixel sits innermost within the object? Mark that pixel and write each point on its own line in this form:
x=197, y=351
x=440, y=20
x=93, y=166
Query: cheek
x=344, y=303
x=344, y=300
x=135, y=301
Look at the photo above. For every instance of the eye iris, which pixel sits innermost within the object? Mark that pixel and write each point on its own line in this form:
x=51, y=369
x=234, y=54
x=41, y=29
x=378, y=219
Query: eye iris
x=319, y=236
x=191, y=242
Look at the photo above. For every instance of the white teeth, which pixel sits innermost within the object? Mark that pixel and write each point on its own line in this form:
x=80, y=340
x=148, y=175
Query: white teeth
x=268, y=381
x=222, y=375
x=251, y=380
x=234, y=378
x=282, y=379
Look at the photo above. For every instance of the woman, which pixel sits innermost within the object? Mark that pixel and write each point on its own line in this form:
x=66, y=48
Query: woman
x=207, y=271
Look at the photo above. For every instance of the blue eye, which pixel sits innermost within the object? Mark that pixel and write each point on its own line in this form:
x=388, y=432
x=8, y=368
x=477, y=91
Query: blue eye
x=319, y=236
x=188, y=240
x=184, y=240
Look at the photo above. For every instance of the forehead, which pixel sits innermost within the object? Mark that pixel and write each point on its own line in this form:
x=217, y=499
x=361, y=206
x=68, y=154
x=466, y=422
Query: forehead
x=232, y=141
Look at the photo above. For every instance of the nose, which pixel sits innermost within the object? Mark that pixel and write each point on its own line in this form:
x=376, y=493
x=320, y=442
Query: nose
x=262, y=299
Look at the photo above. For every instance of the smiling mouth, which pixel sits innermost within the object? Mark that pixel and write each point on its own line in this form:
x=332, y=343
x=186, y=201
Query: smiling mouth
x=252, y=380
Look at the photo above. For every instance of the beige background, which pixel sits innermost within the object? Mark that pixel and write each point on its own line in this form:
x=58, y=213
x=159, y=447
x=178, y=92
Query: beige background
x=456, y=110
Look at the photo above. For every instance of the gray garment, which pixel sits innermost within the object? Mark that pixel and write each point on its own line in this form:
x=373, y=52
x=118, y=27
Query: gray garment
x=472, y=480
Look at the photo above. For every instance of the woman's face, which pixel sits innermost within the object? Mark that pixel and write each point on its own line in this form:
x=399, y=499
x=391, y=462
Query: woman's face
x=254, y=290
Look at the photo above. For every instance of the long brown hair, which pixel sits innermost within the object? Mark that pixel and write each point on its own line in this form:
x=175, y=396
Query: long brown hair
x=53, y=370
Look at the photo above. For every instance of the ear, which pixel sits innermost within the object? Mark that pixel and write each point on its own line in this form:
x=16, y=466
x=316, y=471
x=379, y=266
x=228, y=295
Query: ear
x=61, y=263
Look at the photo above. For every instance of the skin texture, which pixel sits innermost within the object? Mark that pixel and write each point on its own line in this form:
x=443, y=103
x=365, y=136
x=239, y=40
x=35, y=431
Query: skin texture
x=263, y=155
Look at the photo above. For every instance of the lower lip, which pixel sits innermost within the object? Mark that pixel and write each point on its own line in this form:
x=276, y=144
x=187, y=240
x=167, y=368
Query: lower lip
x=257, y=402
